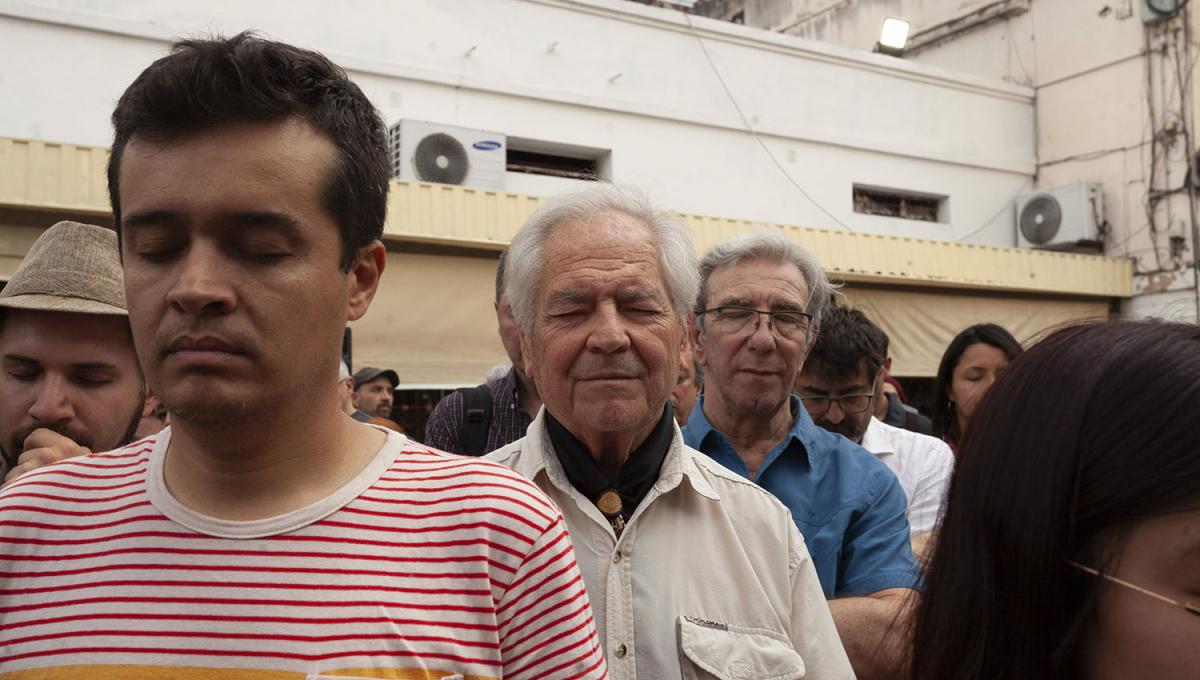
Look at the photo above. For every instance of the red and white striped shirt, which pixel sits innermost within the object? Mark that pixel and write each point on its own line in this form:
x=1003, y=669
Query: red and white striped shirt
x=426, y=565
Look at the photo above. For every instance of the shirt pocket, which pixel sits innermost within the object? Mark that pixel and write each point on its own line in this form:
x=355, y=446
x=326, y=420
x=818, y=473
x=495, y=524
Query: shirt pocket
x=710, y=650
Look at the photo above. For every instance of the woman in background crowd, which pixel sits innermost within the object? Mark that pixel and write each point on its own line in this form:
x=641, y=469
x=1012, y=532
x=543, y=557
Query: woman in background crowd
x=972, y=362
x=1070, y=546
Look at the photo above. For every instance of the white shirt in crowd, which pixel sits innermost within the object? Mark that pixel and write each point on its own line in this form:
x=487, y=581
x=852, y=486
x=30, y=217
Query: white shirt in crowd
x=709, y=578
x=923, y=464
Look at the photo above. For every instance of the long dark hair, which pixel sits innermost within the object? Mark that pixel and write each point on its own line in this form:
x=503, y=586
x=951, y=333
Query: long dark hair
x=945, y=419
x=1087, y=434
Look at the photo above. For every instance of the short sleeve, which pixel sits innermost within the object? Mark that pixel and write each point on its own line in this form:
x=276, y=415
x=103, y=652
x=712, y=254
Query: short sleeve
x=876, y=551
x=545, y=617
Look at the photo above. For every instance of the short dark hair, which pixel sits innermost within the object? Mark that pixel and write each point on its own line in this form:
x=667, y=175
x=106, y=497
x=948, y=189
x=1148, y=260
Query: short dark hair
x=203, y=84
x=847, y=340
x=945, y=421
x=1087, y=434
x=501, y=265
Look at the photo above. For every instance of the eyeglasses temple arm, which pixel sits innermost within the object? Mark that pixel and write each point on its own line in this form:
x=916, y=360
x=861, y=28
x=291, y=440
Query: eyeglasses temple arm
x=1193, y=609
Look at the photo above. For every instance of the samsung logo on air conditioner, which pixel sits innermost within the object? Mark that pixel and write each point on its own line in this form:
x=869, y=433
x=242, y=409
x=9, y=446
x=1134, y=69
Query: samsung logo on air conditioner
x=487, y=145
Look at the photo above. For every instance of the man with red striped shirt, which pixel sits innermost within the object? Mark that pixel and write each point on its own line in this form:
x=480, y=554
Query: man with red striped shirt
x=266, y=534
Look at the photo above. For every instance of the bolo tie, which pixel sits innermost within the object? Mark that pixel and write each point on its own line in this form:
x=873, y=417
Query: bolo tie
x=609, y=504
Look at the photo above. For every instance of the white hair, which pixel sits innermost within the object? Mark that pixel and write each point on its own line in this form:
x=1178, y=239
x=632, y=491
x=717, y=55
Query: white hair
x=767, y=244
x=497, y=372
x=524, y=265
x=343, y=371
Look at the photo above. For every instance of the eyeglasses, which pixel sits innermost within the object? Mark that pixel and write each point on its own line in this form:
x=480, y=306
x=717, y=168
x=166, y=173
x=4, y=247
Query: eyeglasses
x=731, y=319
x=849, y=403
x=1186, y=606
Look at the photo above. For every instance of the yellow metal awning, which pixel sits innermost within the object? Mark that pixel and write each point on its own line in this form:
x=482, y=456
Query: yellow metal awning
x=433, y=321
x=46, y=175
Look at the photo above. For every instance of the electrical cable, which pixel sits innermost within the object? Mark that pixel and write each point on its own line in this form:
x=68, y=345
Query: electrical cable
x=1190, y=178
x=1093, y=155
x=1014, y=51
x=750, y=128
x=1025, y=186
x=1154, y=142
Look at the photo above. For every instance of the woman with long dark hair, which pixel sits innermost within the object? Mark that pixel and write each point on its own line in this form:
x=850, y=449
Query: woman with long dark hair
x=969, y=366
x=1070, y=546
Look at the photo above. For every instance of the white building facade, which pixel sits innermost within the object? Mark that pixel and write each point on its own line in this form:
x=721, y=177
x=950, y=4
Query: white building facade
x=1115, y=105
x=712, y=118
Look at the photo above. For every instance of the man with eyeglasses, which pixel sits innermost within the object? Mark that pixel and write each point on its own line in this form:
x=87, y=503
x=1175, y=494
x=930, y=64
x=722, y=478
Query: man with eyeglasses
x=838, y=384
x=754, y=324
x=692, y=571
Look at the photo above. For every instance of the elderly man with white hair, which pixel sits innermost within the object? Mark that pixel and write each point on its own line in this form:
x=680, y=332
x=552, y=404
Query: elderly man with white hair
x=692, y=570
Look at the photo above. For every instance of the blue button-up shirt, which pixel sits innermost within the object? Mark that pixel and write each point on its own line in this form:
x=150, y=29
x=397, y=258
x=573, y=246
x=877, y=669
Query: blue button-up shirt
x=848, y=505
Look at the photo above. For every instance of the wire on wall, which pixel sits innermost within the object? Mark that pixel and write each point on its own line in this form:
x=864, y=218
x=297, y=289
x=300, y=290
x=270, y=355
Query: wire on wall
x=750, y=128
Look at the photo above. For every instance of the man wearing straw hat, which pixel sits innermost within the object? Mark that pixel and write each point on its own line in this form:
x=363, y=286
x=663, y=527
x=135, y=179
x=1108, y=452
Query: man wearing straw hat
x=71, y=382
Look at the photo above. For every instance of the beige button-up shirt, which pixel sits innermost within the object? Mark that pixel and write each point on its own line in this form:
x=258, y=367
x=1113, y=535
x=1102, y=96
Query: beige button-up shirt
x=710, y=578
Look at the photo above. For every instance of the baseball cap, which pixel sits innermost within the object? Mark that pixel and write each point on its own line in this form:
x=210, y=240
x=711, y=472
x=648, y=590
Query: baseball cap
x=369, y=373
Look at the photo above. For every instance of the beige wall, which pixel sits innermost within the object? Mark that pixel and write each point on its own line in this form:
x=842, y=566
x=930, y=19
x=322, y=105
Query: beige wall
x=19, y=228
x=433, y=320
x=920, y=324
x=1107, y=85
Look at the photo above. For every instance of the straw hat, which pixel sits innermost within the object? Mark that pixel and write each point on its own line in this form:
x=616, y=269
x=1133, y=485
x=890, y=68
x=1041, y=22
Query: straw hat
x=72, y=267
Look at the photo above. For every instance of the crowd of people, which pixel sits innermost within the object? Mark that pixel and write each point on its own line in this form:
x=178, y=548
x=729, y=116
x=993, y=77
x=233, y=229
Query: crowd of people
x=694, y=467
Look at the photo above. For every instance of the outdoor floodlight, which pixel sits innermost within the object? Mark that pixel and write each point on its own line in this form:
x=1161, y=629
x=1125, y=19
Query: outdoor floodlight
x=893, y=37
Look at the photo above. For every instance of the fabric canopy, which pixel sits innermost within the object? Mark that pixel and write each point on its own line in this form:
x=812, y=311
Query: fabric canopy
x=921, y=322
x=432, y=321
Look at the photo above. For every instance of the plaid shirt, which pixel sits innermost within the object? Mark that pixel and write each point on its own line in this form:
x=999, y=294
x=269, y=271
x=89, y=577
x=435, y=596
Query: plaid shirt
x=445, y=425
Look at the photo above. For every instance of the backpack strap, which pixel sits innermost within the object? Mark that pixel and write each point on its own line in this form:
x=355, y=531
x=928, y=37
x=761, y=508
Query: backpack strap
x=477, y=419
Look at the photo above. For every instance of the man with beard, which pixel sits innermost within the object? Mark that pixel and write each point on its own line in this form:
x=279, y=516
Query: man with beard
x=692, y=570
x=71, y=382
x=374, y=390
x=838, y=384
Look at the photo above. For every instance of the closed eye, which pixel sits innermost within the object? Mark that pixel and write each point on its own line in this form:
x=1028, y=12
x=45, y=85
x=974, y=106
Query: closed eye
x=153, y=254
x=263, y=257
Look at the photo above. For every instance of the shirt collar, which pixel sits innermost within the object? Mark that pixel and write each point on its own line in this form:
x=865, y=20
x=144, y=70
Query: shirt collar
x=803, y=430
x=636, y=476
x=876, y=440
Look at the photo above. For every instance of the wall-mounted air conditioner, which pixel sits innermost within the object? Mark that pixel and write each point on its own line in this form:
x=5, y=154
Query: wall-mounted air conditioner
x=432, y=152
x=1059, y=217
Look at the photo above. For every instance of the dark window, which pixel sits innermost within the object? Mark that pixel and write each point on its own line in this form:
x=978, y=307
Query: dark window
x=536, y=163
x=896, y=203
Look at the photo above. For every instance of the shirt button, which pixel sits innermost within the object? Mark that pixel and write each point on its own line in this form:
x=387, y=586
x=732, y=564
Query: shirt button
x=621, y=651
x=617, y=558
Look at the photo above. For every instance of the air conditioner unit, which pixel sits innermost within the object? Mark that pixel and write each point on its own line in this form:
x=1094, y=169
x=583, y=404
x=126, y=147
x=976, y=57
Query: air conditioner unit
x=1061, y=217
x=431, y=152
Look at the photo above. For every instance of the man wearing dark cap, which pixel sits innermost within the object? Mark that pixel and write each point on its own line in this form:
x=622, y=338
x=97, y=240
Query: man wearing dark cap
x=373, y=388
x=70, y=382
